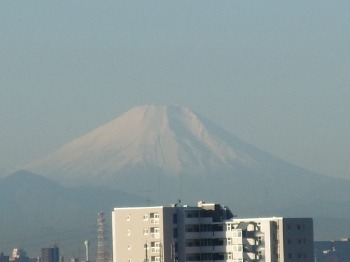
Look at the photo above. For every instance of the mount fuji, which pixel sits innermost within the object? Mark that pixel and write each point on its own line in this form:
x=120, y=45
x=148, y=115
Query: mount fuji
x=164, y=153
x=171, y=139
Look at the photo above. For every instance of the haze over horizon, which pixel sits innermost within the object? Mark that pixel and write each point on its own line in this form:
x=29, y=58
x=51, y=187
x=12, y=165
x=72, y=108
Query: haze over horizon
x=273, y=73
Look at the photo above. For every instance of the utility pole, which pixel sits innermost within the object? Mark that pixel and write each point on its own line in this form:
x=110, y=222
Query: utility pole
x=146, y=255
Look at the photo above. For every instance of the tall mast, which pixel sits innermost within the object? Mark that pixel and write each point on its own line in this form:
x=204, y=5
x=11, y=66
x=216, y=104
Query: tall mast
x=101, y=237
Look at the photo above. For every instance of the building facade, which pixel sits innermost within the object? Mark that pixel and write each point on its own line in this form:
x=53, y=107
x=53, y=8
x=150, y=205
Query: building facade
x=273, y=239
x=207, y=232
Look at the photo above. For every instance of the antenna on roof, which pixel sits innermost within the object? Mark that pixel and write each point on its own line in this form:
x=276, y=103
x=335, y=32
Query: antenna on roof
x=148, y=199
x=177, y=203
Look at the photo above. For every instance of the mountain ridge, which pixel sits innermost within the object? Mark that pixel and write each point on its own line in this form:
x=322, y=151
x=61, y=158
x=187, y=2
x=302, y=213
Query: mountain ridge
x=171, y=153
x=37, y=210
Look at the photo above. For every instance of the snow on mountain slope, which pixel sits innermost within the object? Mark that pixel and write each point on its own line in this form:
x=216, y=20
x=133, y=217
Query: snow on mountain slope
x=172, y=139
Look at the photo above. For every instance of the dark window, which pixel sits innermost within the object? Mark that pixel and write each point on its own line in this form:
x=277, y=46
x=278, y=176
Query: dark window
x=192, y=228
x=206, y=242
x=205, y=228
x=175, y=232
x=193, y=257
x=192, y=214
x=175, y=218
x=206, y=256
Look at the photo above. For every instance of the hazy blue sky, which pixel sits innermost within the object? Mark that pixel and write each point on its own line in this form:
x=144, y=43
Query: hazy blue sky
x=274, y=73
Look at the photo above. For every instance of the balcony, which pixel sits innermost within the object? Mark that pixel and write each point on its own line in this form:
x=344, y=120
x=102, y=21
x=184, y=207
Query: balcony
x=154, y=220
x=155, y=235
x=155, y=250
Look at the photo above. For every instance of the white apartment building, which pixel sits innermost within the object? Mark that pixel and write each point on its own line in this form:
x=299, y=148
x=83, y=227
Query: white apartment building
x=207, y=232
x=271, y=239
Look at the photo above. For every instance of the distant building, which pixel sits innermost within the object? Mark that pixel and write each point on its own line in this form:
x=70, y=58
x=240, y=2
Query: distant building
x=19, y=255
x=4, y=258
x=74, y=259
x=50, y=254
x=333, y=251
x=208, y=232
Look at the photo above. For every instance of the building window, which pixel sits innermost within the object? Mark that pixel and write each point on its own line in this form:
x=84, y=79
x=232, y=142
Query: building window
x=298, y=227
x=145, y=231
x=237, y=248
x=154, y=218
x=237, y=233
x=258, y=241
x=206, y=256
x=192, y=228
x=129, y=247
x=129, y=259
x=155, y=232
x=156, y=247
x=145, y=217
x=127, y=217
x=206, y=242
x=205, y=228
x=174, y=218
x=174, y=232
x=258, y=226
x=232, y=227
x=155, y=259
x=192, y=214
x=193, y=257
x=154, y=215
x=290, y=255
x=193, y=242
x=176, y=247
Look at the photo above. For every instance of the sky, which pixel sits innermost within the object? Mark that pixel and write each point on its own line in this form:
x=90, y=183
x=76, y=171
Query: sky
x=273, y=73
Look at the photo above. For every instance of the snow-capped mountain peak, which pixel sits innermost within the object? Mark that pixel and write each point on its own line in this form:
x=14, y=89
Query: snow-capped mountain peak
x=170, y=138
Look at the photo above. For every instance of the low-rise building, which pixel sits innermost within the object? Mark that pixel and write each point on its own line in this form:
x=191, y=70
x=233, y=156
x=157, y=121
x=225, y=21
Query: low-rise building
x=333, y=251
